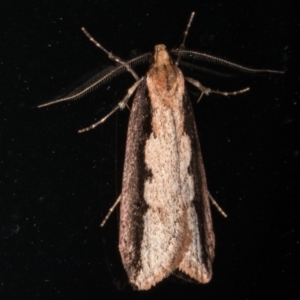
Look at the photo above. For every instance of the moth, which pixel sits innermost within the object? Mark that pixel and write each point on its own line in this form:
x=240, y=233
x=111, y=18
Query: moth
x=165, y=218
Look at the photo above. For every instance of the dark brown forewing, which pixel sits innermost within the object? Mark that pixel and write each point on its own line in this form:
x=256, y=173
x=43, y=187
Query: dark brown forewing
x=133, y=206
x=201, y=200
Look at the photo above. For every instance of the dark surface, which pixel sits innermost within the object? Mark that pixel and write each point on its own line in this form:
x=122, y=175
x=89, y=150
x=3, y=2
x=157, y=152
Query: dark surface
x=56, y=185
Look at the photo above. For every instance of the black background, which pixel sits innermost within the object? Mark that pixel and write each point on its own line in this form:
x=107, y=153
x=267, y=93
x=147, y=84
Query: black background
x=56, y=185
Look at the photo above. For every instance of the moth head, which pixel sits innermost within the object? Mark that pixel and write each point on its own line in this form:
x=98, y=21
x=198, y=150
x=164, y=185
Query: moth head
x=161, y=56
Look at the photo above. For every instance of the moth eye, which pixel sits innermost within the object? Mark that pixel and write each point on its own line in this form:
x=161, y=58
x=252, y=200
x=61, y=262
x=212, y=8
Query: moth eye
x=151, y=59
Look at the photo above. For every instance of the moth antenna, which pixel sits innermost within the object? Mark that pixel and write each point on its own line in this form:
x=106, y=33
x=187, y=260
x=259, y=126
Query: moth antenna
x=182, y=45
x=97, y=80
x=205, y=70
x=210, y=58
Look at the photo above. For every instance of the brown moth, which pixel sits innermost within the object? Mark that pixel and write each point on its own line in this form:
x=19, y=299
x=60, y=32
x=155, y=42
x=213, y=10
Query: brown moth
x=165, y=218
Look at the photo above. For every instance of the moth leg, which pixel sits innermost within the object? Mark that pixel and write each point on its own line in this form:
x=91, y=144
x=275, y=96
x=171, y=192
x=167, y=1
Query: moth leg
x=206, y=91
x=111, y=55
x=110, y=211
x=120, y=105
x=185, y=35
x=219, y=208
